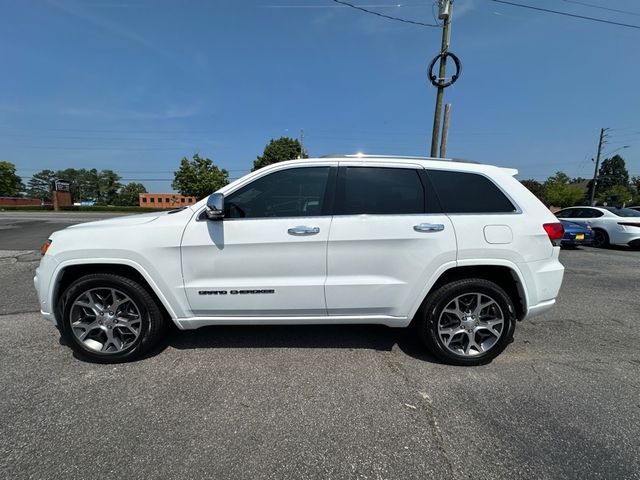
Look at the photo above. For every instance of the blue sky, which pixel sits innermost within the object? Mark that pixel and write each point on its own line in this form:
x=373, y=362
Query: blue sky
x=134, y=85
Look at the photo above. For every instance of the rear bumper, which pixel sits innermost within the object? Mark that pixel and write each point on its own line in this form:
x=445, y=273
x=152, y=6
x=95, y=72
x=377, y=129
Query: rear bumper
x=540, y=308
x=625, y=238
x=572, y=241
x=575, y=243
x=634, y=243
x=543, y=280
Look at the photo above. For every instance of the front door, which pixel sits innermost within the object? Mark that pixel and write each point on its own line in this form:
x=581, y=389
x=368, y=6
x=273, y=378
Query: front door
x=267, y=257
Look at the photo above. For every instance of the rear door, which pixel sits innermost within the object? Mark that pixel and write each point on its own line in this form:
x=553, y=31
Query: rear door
x=387, y=239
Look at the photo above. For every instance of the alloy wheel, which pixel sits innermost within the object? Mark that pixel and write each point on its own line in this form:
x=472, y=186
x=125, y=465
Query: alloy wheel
x=105, y=320
x=471, y=324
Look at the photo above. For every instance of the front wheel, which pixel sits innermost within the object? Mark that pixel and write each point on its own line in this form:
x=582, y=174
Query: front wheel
x=110, y=318
x=467, y=322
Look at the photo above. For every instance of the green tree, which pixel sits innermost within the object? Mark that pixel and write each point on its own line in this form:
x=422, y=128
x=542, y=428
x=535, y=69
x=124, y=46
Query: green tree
x=615, y=196
x=40, y=185
x=84, y=183
x=10, y=183
x=613, y=171
x=537, y=188
x=199, y=177
x=560, y=193
x=129, y=194
x=280, y=150
x=577, y=180
x=108, y=186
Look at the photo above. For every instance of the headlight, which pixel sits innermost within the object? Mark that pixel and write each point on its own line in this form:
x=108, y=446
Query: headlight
x=45, y=246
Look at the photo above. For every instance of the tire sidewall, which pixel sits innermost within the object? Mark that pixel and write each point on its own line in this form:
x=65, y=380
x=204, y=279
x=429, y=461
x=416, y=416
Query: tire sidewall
x=443, y=297
x=605, y=238
x=81, y=286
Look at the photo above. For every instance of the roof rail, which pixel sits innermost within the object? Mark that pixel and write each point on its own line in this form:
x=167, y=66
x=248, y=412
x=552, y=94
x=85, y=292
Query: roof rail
x=400, y=157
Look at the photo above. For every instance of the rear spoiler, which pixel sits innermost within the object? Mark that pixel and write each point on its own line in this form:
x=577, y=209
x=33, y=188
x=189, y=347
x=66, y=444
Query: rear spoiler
x=511, y=171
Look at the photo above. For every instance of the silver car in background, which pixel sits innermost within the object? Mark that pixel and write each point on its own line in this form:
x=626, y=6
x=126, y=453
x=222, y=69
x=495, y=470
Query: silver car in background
x=611, y=226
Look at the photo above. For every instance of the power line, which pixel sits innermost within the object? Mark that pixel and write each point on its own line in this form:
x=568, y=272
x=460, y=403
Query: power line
x=382, y=15
x=566, y=14
x=602, y=8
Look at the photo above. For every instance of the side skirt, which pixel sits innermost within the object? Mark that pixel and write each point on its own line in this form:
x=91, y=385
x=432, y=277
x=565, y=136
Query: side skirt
x=197, y=322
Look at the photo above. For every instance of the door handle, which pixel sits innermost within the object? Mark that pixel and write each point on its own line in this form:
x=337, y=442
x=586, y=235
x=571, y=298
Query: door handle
x=429, y=227
x=302, y=231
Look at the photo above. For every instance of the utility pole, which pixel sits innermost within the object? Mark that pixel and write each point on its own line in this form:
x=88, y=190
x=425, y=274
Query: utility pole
x=594, y=182
x=445, y=131
x=446, y=11
x=302, y=143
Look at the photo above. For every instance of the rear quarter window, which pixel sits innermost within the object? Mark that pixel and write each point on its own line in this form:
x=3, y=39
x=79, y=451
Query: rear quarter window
x=465, y=192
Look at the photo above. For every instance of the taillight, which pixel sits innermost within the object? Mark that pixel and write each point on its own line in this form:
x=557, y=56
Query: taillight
x=629, y=224
x=555, y=232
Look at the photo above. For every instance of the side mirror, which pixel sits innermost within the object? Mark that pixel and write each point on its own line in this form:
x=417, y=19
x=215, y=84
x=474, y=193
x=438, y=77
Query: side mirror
x=215, y=207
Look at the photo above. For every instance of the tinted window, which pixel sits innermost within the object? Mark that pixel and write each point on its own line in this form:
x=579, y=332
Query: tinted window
x=377, y=190
x=587, y=213
x=569, y=213
x=463, y=192
x=297, y=192
x=624, y=212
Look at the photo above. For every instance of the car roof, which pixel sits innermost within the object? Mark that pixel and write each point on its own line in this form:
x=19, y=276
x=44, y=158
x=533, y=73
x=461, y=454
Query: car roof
x=601, y=209
x=432, y=162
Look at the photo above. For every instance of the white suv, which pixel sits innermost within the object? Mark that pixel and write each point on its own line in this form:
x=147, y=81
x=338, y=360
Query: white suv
x=459, y=250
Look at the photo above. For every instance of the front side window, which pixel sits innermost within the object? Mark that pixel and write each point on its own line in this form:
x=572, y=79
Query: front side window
x=296, y=192
x=379, y=190
x=566, y=213
x=588, y=213
x=465, y=192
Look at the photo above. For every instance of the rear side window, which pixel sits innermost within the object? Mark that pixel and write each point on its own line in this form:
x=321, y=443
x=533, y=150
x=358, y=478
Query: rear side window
x=464, y=192
x=379, y=190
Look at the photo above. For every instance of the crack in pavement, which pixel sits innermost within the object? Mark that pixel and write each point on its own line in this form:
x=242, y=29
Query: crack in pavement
x=426, y=405
x=20, y=312
x=19, y=256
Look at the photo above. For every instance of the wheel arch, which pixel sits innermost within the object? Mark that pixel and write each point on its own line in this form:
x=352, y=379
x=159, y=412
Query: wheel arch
x=507, y=277
x=66, y=274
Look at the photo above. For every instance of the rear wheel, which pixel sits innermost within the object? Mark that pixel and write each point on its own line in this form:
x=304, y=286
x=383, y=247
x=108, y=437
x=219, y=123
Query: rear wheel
x=109, y=318
x=467, y=322
x=600, y=238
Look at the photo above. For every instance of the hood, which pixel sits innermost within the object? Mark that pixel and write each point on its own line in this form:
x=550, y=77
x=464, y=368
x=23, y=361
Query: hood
x=128, y=220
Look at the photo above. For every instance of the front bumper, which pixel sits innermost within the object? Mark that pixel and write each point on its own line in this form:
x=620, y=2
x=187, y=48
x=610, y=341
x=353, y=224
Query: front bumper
x=42, y=284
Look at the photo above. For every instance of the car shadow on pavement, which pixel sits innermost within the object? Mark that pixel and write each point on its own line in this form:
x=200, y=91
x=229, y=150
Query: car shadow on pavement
x=368, y=337
x=353, y=337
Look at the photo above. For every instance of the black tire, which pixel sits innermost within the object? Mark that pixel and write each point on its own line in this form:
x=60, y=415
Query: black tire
x=600, y=238
x=437, y=301
x=152, y=318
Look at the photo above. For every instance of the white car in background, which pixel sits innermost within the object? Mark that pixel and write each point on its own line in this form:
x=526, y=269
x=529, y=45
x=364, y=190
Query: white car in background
x=611, y=226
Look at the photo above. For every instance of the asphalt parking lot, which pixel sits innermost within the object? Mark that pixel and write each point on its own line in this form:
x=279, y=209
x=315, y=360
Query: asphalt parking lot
x=361, y=402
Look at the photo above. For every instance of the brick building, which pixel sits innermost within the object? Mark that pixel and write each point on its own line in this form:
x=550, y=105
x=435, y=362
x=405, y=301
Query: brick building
x=164, y=200
x=19, y=202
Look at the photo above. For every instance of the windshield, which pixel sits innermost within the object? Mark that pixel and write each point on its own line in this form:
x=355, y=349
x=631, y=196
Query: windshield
x=624, y=212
